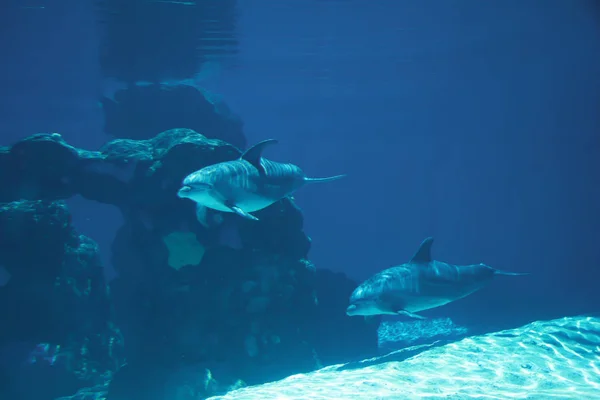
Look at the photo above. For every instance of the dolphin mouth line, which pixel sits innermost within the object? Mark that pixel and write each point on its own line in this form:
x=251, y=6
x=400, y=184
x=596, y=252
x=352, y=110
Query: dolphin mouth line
x=183, y=191
x=350, y=308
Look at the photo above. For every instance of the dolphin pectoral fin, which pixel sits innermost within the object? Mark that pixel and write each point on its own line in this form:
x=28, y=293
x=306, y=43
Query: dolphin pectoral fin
x=207, y=217
x=243, y=213
x=201, y=215
x=409, y=314
x=254, y=154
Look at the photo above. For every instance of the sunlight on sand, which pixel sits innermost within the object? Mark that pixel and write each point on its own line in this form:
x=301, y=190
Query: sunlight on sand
x=557, y=359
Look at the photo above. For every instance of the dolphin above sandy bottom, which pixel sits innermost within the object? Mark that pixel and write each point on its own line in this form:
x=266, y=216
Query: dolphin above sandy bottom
x=245, y=185
x=418, y=285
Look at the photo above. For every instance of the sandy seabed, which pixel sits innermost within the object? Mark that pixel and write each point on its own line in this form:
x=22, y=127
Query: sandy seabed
x=556, y=359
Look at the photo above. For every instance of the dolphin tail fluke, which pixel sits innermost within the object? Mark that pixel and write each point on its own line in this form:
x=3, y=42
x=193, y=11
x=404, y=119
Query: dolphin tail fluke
x=328, y=179
x=507, y=273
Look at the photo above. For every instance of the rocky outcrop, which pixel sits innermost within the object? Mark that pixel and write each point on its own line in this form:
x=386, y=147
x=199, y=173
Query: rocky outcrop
x=124, y=172
x=54, y=309
x=141, y=112
x=239, y=303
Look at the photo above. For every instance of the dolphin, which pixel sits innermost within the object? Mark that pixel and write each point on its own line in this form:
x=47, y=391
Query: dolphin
x=245, y=185
x=420, y=284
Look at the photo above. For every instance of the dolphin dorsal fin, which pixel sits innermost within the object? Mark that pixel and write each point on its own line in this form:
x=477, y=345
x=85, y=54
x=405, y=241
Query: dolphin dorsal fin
x=423, y=255
x=254, y=153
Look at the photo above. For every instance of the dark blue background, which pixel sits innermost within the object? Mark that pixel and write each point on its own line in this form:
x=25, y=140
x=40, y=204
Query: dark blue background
x=474, y=122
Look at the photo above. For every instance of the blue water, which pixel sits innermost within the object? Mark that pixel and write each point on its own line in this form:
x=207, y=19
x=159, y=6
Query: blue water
x=472, y=122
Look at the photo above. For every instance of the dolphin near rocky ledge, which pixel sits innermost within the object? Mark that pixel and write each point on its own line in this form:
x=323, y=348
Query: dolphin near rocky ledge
x=245, y=185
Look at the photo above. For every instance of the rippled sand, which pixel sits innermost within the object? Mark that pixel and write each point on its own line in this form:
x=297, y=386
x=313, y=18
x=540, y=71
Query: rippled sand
x=557, y=359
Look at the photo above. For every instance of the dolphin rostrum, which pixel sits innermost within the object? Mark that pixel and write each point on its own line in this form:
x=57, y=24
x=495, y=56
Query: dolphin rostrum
x=418, y=285
x=245, y=185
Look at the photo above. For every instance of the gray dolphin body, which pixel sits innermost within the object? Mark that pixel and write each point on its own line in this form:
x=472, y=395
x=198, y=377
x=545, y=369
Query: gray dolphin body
x=245, y=185
x=420, y=284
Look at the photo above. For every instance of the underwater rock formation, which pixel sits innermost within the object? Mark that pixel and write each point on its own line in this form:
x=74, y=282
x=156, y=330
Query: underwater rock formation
x=236, y=303
x=124, y=172
x=54, y=310
x=141, y=112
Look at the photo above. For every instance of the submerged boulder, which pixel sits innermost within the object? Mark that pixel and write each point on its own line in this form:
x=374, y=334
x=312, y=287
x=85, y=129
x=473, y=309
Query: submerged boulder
x=123, y=172
x=143, y=111
x=55, y=309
